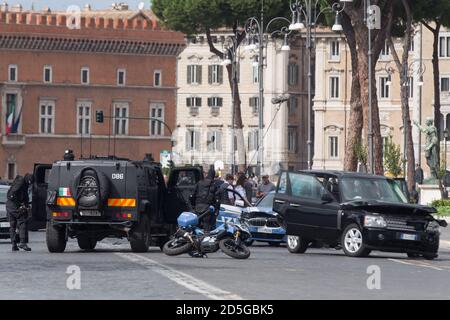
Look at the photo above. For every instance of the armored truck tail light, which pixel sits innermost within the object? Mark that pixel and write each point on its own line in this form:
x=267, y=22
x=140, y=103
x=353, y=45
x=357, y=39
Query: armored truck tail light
x=61, y=214
x=124, y=215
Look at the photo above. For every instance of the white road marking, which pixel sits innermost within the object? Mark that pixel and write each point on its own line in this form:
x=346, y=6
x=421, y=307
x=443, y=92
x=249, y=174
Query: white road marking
x=417, y=264
x=181, y=278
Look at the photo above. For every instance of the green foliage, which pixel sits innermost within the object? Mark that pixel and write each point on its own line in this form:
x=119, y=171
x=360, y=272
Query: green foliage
x=393, y=161
x=432, y=11
x=440, y=203
x=196, y=16
x=361, y=153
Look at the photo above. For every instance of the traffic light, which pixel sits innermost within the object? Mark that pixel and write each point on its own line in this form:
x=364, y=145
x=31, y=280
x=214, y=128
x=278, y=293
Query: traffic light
x=99, y=116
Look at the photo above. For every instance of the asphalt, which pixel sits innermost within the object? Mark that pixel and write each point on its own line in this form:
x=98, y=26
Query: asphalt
x=112, y=271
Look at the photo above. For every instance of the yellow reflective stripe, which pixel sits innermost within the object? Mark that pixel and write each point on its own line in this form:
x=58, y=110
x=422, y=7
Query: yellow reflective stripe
x=65, y=202
x=122, y=203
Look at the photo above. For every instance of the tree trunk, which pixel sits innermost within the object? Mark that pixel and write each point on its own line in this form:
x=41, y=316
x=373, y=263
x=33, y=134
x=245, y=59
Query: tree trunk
x=356, y=110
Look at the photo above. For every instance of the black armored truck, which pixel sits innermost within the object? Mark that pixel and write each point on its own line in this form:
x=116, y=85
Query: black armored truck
x=96, y=198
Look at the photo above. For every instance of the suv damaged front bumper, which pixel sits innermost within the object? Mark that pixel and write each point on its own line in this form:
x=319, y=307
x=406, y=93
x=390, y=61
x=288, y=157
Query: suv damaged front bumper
x=421, y=242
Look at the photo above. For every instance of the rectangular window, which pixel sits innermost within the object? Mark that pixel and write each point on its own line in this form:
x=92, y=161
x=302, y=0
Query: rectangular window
x=48, y=74
x=384, y=88
x=385, y=51
x=157, y=119
x=193, y=102
x=442, y=47
x=121, y=77
x=214, y=142
x=121, y=119
x=194, y=74
x=333, y=147
x=335, y=53
x=255, y=74
x=192, y=140
x=253, y=140
x=11, y=171
x=215, y=74
x=84, y=75
x=157, y=78
x=215, y=102
x=46, y=117
x=84, y=117
x=445, y=84
x=12, y=73
x=293, y=74
x=411, y=46
x=334, y=87
x=292, y=105
x=254, y=104
x=292, y=139
x=411, y=87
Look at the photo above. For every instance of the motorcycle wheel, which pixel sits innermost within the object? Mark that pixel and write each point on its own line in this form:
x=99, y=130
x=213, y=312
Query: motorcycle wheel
x=229, y=247
x=176, y=247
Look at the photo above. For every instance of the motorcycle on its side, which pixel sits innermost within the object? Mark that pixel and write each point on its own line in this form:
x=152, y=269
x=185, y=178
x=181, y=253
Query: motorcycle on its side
x=191, y=239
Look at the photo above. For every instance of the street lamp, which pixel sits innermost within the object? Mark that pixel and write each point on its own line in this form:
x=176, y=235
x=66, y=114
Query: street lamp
x=256, y=32
x=305, y=14
x=414, y=67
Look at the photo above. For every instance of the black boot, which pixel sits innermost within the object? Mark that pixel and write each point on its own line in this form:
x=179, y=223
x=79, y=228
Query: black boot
x=15, y=247
x=24, y=247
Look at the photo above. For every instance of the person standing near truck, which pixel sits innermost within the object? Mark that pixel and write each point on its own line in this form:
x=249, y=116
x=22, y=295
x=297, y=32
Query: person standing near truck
x=17, y=209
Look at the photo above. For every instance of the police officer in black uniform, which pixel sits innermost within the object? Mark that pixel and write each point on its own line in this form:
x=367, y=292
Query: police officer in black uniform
x=17, y=209
x=205, y=195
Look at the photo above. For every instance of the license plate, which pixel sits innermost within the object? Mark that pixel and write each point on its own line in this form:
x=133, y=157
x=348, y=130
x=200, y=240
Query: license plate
x=409, y=237
x=264, y=230
x=4, y=225
x=90, y=213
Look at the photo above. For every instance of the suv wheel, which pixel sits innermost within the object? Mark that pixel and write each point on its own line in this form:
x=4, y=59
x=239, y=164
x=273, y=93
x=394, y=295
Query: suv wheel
x=296, y=244
x=140, y=236
x=56, y=238
x=353, y=242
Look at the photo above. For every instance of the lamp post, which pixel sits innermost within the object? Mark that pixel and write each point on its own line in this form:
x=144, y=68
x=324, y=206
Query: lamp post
x=256, y=33
x=305, y=14
x=412, y=69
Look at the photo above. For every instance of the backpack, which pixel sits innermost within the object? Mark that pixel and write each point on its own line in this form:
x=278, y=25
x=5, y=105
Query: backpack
x=15, y=191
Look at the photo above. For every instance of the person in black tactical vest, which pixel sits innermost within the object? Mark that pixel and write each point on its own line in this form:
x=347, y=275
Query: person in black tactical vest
x=205, y=195
x=17, y=209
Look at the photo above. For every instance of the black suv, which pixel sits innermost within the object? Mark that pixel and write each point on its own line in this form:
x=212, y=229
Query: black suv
x=92, y=199
x=358, y=212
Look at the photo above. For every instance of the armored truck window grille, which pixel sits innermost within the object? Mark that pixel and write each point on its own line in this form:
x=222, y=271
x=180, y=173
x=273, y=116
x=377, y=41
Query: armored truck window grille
x=334, y=87
x=157, y=112
x=84, y=118
x=13, y=73
x=292, y=139
x=253, y=140
x=48, y=74
x=157, y=78
x=121, y=77
x=194, y=74
x=46, y=117
x=384, y=88
x=335, y=53
x=121, y=119
x=444, y=46
x=214, y=141
x=445, y=84
x=192, y=140
x=215, y=74
x=293, y=74
x=85, y=76
x=334, y=147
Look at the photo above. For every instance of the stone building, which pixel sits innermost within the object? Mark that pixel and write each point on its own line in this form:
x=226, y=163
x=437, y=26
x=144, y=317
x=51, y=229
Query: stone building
x=204, y=105
x=58, y=69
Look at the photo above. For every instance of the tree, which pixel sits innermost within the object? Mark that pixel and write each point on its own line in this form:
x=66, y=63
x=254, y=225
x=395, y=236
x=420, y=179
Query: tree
x=434, y=14
x=204, y=16
x=405, y=24
x=392, y=158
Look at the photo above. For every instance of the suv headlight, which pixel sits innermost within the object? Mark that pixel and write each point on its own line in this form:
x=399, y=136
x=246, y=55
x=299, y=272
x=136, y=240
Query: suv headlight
x=374, y=222
x=433, y=226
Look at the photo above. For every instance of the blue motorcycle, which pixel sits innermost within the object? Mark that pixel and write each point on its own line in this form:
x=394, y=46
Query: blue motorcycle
x=190, y=238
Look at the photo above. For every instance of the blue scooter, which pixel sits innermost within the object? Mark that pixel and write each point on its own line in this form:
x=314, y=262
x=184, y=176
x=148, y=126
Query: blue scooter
x=190, y=238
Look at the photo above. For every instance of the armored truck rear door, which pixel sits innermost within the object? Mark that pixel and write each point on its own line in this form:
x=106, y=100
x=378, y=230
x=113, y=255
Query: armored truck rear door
x=39, y=196
x=180, y=187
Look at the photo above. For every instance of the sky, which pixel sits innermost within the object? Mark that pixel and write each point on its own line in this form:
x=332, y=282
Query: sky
x=61, y=5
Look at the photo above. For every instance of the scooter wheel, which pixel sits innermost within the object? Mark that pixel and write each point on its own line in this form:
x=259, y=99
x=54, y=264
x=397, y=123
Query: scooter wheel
x=229, y=247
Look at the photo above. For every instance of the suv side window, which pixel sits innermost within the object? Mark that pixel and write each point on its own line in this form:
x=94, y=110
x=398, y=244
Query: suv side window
x=305, y=186
x=282, y=185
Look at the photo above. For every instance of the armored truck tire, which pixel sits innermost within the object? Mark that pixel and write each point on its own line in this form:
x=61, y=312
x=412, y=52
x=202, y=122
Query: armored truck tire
x=176, y=247
x=55, y=238
x=86, y=243
x=140, y=235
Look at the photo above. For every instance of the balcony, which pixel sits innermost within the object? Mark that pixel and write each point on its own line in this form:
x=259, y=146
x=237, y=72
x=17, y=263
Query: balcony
x=13, y=140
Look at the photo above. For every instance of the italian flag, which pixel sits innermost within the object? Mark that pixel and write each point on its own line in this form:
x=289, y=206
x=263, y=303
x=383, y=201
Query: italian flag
x=10, y=119
x=64, y=192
